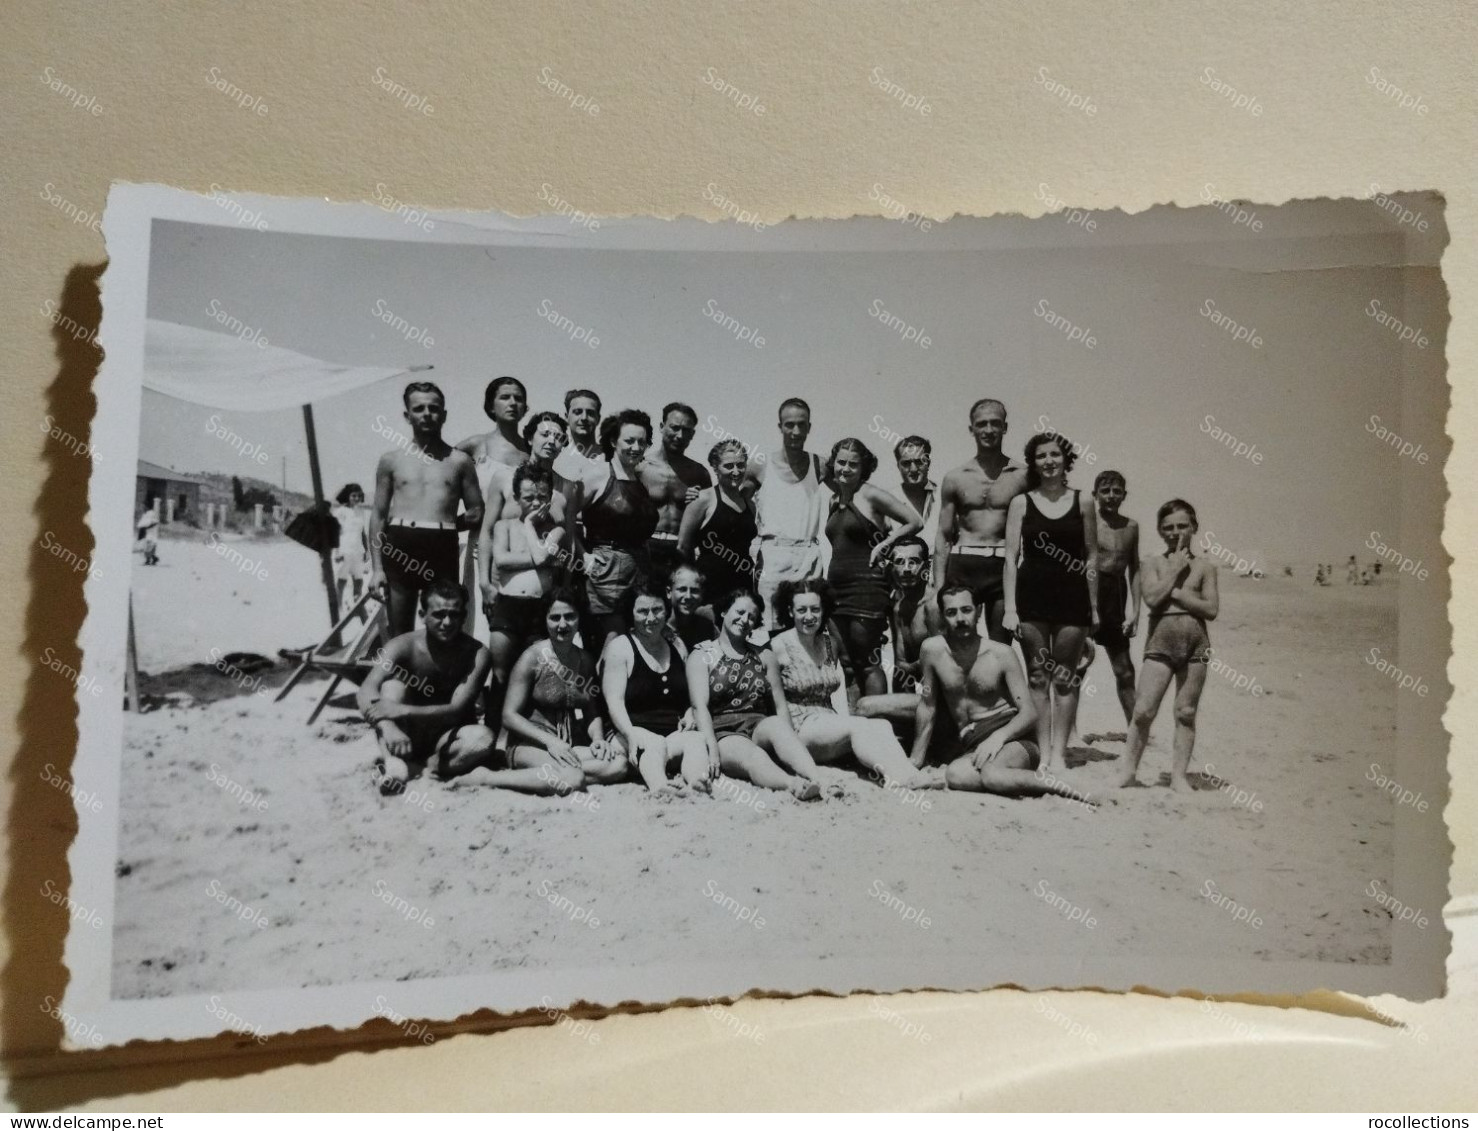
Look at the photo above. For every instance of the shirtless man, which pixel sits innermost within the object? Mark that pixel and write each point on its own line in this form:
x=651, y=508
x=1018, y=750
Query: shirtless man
x=673, y=481
x=984, y=689
x=1118, y=575
x=582, y=410
x=419, y=695
x=786, y=486
x=971, y=546
x=413, y=527
x=913, y=619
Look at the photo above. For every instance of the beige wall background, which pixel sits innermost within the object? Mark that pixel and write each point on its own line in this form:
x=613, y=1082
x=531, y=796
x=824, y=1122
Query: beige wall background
x=828, y=133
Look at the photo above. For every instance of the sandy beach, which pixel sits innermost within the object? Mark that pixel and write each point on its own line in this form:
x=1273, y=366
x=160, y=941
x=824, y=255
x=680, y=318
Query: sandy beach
x=228, y=796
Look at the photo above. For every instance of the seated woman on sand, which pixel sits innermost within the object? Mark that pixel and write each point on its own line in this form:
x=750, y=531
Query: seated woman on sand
x=809, y=658
x=645, y=684
x=732, y=685
x=552, y=712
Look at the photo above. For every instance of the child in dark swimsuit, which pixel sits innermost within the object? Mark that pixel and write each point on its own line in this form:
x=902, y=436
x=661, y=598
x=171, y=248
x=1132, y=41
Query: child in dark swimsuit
x=857, y=528
x=1181, y=595
x=1051, y=586
x=733, y=685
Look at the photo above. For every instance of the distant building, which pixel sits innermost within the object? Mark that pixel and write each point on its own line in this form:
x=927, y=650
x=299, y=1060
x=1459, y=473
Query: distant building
x=178, y=494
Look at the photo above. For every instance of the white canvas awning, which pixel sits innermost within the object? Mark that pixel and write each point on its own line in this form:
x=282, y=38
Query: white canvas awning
x=242, y=374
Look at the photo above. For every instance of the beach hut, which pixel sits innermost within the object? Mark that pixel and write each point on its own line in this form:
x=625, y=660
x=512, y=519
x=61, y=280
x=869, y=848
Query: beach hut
x=177, y=494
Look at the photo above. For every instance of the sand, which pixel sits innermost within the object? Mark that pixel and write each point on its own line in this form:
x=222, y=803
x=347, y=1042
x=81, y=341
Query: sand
x=314, y=850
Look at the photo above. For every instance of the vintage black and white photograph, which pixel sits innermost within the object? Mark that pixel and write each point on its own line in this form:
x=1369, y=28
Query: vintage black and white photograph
x=511, y=614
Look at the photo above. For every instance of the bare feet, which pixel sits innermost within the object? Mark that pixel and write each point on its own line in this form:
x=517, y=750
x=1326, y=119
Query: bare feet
x=1128, y=781
x=803, y=790
x=1181, y=782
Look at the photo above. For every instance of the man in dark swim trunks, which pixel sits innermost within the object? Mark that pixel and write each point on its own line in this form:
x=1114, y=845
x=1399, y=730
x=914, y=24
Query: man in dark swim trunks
x=413, y=527
x=420, y=695
x=1118, y=578
x=982, y=685
x=970, y=548
x=673, y=480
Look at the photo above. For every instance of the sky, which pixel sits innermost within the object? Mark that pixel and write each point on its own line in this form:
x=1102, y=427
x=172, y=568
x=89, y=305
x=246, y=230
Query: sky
x=998, y=299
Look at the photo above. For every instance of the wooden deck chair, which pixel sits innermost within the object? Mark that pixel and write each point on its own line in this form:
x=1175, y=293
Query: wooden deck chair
x=351, y=661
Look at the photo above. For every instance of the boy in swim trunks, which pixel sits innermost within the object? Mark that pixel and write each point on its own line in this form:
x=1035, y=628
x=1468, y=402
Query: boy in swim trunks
x=1118, y=577
x=982, y=685
x=420, y=695
x=1180, y=592
x=414, y=524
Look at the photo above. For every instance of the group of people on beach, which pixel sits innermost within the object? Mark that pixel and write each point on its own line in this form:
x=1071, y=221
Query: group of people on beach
x=776, y=611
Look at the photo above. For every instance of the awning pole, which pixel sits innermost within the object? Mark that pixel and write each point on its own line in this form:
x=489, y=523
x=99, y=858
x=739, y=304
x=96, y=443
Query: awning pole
x=325, y=556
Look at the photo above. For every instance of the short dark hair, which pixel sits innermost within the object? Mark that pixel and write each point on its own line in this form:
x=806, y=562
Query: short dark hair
x=1179, y=505
x=787, y=591
x=974, y=408
x=421, y=387
x=342, y=498
x=644, y=587
x=492, y=391
x=577, y=394
x=912, y=442
x=610, y=428
x=532, y=424
x=864, y=453
x=909, y=540
x=726, y=601
x=1041, y=439
x=678, y=406
x=531, y=472
x=565, y=595
x=1109, y=475
x=794, y=402
x=446, y=589
x=950, y=591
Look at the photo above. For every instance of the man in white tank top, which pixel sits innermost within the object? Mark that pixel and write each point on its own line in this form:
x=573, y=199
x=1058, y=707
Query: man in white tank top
x=787, y=494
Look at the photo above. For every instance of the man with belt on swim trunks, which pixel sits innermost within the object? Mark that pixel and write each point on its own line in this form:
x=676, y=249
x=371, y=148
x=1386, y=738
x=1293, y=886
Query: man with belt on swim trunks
x=673, y=480
x=1118, y=578
x=982, y=685
x=970, y=548
x=414, y=524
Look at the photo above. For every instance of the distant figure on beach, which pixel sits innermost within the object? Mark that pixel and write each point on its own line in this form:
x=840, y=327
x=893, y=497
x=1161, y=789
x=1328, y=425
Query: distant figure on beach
x=420, y=696
x=414, y=525
x=673, y=480
x=1352, y=571
x=351, y=556
x=970, y=548
x=147, y=528
x=983, y=687
x=645, y=684
x=1181, y=595
x=557, y=737
x=1118, y=580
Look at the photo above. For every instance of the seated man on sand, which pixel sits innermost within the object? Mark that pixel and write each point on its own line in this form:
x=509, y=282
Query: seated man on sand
x=420, y=695
x=984, y=688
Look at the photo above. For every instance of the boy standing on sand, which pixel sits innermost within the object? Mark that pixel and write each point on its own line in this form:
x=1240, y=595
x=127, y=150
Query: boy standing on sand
x=420, y=694
x=1118, y=577
x=414, y=524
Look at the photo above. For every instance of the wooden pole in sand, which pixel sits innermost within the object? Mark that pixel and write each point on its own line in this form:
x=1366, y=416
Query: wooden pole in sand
x=325, y=559
x=131, y=673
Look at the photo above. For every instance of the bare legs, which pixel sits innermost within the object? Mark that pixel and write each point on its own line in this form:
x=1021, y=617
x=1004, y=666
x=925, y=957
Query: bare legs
x=1011, y=773
x=871, y=741
x=1123, y=668
x=685, y=747
x=740, y=757
x=1052, y=655
x=863, y=639
x=1154, y=681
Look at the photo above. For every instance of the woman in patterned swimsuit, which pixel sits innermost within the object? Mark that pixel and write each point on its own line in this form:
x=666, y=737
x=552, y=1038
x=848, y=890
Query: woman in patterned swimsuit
x=811, y=681
x=732, y=684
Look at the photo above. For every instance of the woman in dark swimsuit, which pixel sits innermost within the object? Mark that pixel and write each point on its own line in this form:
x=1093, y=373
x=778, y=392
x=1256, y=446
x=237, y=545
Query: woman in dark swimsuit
x=1180, y=592
x=619, y=516
x=857, y=528
x=719, y=526
x=645, y=685
x=1051, y=586
x=733, y=687
x=553, y=713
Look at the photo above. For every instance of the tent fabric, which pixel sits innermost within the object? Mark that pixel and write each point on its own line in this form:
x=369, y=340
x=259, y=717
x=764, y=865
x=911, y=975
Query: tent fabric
x=243, y=372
